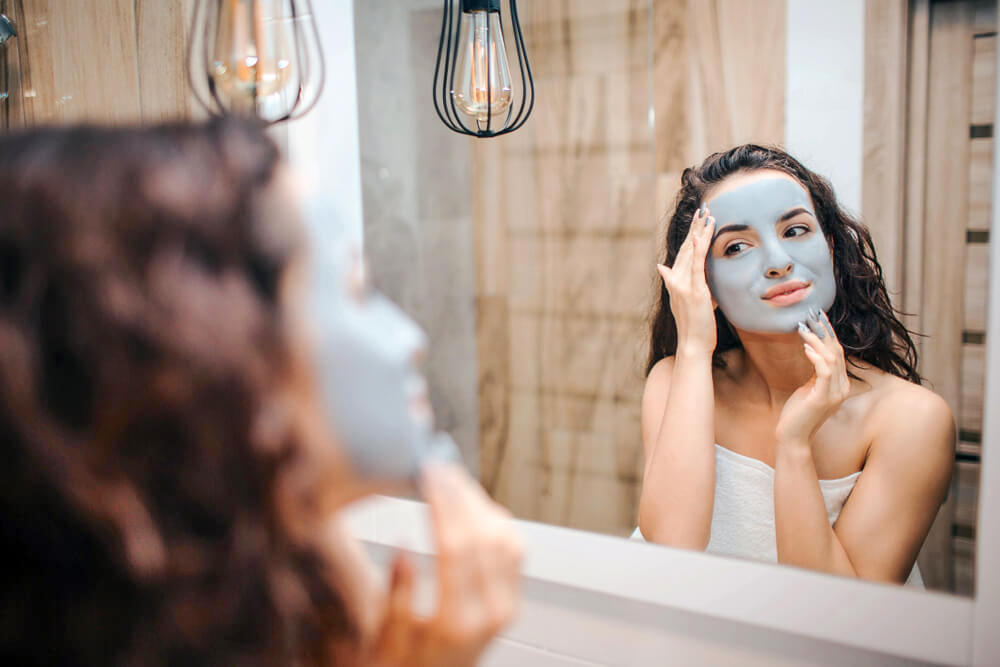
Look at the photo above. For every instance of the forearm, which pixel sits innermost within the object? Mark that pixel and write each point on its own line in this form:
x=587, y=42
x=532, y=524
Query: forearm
x=679, y=480
x=804, y=535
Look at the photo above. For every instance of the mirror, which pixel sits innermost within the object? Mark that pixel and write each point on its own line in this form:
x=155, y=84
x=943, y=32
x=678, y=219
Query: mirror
x=530, y=258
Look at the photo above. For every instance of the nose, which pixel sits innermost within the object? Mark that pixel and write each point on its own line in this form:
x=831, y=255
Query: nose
x=777, y=262
x=779, y=272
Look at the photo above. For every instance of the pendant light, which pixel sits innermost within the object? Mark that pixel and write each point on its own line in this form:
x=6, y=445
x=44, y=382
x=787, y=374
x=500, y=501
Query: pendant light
x=473, y=93
x=255, y=58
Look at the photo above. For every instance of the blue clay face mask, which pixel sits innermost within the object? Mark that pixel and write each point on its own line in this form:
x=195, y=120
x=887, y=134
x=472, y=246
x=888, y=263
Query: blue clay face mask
x=769, y=263
x=370, y=386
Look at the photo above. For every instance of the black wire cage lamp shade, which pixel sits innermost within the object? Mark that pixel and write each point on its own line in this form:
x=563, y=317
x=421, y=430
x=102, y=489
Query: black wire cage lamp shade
x=473, y=90
x=256, y=58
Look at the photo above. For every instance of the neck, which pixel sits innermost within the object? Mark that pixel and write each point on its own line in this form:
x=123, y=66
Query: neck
x=774, y=365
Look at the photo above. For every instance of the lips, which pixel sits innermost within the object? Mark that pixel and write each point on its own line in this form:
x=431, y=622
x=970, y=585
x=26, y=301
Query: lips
x=787, y=293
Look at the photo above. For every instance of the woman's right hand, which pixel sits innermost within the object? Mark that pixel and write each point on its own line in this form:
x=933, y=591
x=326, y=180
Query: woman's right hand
x=478, y=579
x=690, y=298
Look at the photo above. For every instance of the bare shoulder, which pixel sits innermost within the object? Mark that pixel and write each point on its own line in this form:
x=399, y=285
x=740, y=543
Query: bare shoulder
x=658, y=384
x=660, y=373
x=909, y=417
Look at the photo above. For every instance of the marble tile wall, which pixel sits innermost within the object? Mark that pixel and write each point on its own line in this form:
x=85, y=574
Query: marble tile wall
x=418, y=227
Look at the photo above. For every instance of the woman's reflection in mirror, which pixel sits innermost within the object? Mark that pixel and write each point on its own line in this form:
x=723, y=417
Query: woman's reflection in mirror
x=783, y=418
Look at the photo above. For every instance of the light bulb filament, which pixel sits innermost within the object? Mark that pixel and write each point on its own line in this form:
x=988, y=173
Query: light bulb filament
x=483, y=73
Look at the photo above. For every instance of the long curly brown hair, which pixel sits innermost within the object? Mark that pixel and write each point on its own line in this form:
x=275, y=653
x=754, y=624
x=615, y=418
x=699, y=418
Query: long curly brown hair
x=142, y=334
x=862, y=315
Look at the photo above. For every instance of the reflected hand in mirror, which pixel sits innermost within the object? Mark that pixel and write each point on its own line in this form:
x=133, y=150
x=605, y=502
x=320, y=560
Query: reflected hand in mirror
x=791, y=426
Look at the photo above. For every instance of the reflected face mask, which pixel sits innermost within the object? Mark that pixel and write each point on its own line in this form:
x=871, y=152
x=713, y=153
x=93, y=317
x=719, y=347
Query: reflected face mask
x=374, y=394
x=767, y=275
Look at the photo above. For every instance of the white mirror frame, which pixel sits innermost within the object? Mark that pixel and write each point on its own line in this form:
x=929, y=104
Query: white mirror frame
x=606, y=587
x=618, y=598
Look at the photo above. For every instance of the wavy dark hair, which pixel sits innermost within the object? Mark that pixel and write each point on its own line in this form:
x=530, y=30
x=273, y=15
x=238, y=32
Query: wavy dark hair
x=142, y=335
x=862, y=315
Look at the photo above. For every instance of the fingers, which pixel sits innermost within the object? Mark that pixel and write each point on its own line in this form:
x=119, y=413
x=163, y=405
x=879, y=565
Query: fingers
x=684, y=254
x=479, y=556
x=824, y=351
x=702, y=245
x=664, y=272
x=401, y=588
x=823, y=371
x=831, y=339
x=453, y=524
x=395, y=636
x=690, y=259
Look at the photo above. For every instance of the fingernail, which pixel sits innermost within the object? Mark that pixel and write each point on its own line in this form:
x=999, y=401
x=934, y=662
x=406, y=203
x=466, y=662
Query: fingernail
x=704, y=210
x=817, y=328
x=803, y=328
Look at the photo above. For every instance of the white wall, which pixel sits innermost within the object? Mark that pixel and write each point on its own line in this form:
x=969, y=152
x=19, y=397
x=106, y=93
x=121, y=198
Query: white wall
x=323, y=145
x=824, y=94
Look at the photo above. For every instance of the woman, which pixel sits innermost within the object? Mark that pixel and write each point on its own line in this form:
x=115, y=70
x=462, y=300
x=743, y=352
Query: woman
x=783, y=417
x=171, y=475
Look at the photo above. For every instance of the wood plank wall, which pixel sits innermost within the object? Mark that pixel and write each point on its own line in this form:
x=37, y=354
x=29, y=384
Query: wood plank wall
x=960, y=108
x=976, y=278
x=931, y=78
x=564, y=263
x=108, y=61
x=566, y=256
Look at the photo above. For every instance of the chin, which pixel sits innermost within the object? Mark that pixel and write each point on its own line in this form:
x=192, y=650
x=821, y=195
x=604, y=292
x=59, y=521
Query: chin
x=777, y=320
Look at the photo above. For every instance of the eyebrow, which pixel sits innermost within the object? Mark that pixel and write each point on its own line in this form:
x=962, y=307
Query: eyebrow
x=743, y=227
x=794, y=212
x=728, y=228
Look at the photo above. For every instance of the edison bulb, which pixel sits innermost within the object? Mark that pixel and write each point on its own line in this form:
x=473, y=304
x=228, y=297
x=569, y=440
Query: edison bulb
x=483, y=88
x=252, y=53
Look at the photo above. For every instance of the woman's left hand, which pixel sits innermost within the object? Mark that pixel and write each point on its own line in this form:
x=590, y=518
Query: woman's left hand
x=813, y=403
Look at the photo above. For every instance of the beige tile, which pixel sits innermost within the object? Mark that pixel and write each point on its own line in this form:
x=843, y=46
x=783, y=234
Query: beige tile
x=525, y=352
x=579, y=414
x=630, y=351
x=576, y=355
x=976, y=286
x=629, y=458
x=671, y=62
x=83, y=62
x=554, y=495
x=492, y=323
x=526, y=270
x=980, y=182
x=973, y=385
x=517, y=489
x=984, y=81
x=603, y=504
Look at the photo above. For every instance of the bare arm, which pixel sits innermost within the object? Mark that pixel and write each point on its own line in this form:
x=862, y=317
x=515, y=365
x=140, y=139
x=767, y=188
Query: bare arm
x=678, y=487
x=678, y=408
x=906, y=478
x=885, y=520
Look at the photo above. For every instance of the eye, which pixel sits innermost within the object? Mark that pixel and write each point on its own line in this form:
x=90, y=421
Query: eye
x=797, y=230
x=734, y=248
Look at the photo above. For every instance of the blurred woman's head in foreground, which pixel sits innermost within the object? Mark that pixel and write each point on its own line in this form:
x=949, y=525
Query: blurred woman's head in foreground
x=162, y=493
